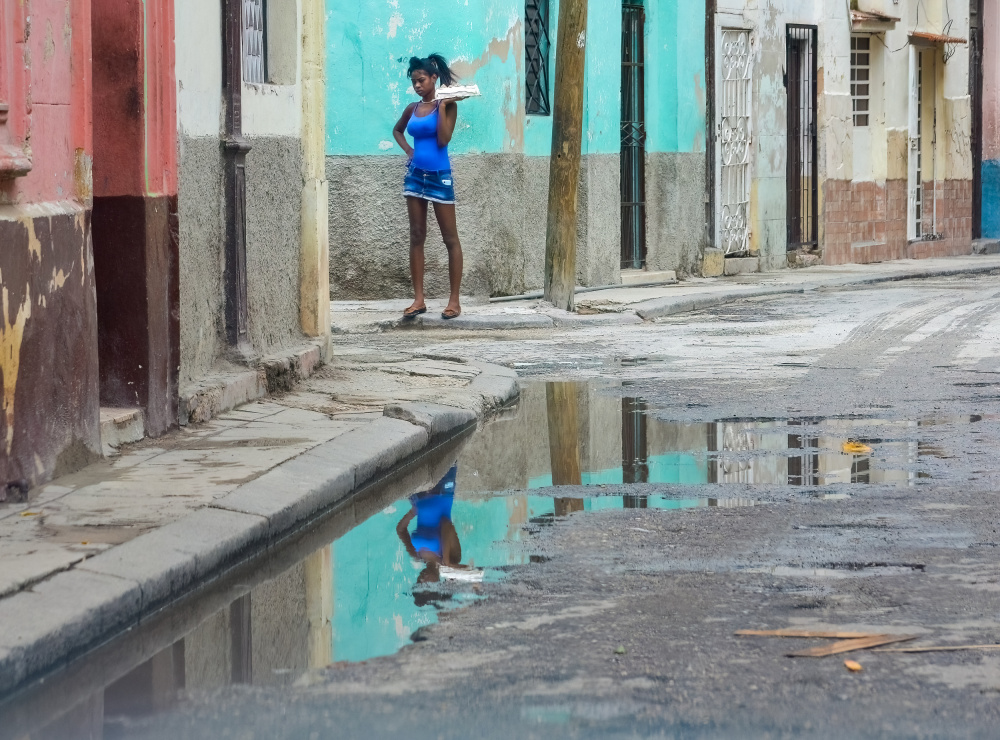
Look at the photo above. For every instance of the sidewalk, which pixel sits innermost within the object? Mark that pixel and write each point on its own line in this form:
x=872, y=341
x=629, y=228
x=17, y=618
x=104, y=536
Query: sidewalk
x=628, y=305
x=90, y=554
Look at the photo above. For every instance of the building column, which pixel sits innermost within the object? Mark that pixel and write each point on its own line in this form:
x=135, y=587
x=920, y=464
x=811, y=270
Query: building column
x=314, y=306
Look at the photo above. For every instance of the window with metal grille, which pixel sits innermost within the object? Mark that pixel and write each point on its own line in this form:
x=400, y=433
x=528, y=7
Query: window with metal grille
x=861, y=47
x=255, y=41
x=536, y=57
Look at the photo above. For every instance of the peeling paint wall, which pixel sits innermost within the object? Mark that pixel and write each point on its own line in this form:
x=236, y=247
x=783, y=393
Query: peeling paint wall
x=862, y=170
x=49, y=408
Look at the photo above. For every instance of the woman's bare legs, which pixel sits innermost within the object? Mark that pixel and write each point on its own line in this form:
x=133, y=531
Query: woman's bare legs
x=449, y=232
x=417, y=210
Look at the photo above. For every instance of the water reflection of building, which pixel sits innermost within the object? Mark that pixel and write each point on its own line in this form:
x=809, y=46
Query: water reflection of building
x=266, y=636
x=613, y=440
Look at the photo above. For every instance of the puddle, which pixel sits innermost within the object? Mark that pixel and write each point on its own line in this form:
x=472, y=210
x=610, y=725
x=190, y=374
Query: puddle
x=366, y=579
x=396, y=561
x=588, y=434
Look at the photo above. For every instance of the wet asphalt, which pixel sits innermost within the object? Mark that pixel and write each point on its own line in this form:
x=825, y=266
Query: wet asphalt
x=624, y=627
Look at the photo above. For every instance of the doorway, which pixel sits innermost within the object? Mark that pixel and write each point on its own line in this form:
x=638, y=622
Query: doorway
x=802, y=173
x=633, y=138
x=734, y=117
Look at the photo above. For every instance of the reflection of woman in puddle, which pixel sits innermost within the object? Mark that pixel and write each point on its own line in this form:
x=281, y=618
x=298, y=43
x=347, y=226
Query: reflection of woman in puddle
x=435, y=541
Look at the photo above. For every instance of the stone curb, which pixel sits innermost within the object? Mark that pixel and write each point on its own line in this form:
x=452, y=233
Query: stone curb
x=657, y=308
x=488, y=321
x=661, y=307
x=67, y=614
x=216, y=394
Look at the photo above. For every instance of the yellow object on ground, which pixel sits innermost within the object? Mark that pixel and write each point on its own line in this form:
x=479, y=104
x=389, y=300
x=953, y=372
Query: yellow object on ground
x=856, y=448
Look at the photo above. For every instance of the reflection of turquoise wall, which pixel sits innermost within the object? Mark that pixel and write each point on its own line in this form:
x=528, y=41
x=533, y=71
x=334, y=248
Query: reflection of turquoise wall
x=373, y=576
x=669, y=468
x=991, y=199
x=369, y=42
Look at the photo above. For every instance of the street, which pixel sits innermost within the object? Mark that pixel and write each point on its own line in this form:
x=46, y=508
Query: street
x=622, y=621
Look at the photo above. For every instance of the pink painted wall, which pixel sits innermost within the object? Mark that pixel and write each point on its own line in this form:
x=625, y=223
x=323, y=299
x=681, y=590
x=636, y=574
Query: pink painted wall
x=50, y=99
x=135, y=128
x=991, y=80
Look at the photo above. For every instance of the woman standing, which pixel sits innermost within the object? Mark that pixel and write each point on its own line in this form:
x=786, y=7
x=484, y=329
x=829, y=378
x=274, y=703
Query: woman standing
x=431, y=123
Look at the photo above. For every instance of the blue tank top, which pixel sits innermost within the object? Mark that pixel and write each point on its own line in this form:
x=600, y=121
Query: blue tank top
x=427, y=155
x=433, y=507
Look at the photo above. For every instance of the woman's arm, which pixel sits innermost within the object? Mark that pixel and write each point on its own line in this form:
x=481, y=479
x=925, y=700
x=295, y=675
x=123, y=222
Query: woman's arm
x=399, y=130
x=447, y=117
x=403, y=532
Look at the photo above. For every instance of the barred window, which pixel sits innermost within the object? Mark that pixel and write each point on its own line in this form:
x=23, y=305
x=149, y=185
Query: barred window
x=255, y=41
x=536, y=55
x=861, y=77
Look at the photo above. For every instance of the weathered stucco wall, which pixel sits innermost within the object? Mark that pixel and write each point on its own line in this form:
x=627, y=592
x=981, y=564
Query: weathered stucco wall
x=862, y=170
x=200, y=210
x=273, y=123
x=274, y=200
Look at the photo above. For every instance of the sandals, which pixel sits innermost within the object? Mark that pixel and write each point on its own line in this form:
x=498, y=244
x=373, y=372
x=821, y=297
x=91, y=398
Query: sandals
x=412, y=313
x=450, y=313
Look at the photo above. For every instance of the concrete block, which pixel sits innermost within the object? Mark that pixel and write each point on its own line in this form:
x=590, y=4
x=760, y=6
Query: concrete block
x=374, y=448
x=661, y=307
x=487, y=321
x=564, y=318
x=206, y=400
x=742, y=265
x=713, y=263
x=294, y=491
x=119, y=427
x=58, y=618
x=986, y=246
x=309, y=360
x=436, y=418
x=495, y=390
x=647, y=277
x=489, y=368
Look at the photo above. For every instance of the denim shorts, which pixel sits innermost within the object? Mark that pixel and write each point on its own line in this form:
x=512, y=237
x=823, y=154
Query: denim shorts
x=436, y=187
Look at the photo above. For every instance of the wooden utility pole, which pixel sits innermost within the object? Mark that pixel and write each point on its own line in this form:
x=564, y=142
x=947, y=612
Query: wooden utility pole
x=564, y=165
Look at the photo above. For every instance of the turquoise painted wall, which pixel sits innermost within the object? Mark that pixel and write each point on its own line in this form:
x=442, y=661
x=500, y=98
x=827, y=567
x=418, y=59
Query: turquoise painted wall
x=675, y=76
x=370, y=41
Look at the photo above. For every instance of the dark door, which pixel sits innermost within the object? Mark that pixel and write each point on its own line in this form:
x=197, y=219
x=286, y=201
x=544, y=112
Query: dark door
x=802, y=173
x=633, y=153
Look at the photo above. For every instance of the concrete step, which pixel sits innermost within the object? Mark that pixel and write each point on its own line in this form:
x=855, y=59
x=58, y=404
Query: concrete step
x=986, y=246
x=641, y=277
x=119, y=427
x=741, y=265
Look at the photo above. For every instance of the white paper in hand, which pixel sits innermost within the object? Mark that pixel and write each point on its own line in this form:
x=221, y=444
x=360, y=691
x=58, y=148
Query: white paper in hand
x=457, y=92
